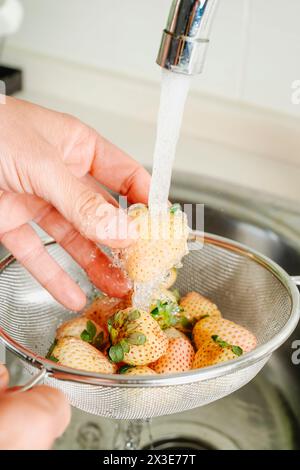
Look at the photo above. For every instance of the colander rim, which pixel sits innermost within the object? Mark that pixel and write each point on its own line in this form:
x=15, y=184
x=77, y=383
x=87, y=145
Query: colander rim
x=260, y=353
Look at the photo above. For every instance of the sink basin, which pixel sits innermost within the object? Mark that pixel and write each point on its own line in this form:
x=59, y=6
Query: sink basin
x=265, y=414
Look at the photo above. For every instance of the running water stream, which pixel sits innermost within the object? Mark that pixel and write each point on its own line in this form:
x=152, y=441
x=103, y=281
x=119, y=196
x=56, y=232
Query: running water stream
x=174, y=91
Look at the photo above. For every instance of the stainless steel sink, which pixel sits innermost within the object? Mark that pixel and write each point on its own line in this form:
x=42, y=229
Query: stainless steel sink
x=266, y=413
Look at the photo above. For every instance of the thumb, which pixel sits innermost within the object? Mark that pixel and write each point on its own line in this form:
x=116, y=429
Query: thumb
x=87, y=210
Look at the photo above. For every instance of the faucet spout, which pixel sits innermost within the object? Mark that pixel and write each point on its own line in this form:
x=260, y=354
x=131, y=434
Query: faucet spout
x=186, y=37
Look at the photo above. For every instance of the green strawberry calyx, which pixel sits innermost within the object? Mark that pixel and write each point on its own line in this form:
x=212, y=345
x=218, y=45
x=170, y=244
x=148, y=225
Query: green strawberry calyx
x=89, y=333
x=125, y=368
x=49, y=354
x=132, y=337
x=118, y=350
x=237, y=350
x=175, y=208
x=166, y=313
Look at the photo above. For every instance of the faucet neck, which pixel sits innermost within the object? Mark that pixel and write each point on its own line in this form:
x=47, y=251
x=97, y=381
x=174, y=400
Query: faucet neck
x=186, y=36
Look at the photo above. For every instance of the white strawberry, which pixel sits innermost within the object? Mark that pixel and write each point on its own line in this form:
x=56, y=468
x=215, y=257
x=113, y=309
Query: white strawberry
x=178, y=357
x=85, y=329
x=136, y=338
x=160, y=247
x=223, y=330
x=169, y=279
x=195, y=306
x=103, y=307
x=78, y=354
x=175, y=333
x=139, y=370
x=214, y=351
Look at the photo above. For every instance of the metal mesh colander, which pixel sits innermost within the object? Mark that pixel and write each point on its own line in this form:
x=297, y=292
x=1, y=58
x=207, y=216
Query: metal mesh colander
x=247, y=287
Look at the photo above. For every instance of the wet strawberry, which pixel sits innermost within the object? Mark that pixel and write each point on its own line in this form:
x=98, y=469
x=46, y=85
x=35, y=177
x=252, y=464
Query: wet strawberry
x=103, y=307
x=136, y=338
x=161, y=246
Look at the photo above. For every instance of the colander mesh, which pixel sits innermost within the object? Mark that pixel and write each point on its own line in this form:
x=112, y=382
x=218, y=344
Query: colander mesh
x=245, y=291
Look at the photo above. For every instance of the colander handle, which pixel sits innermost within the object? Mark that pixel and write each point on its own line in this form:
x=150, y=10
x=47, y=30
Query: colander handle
x=296, y=280
x=35, y=380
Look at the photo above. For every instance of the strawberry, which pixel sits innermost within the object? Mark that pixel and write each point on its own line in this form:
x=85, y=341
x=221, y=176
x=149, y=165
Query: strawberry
x=195, y=306
x=140, y=370
x=224, y=330
x=84, y=329
x=103, y=307
x=169, y=279
x=178, y=357
x=136, y=210
x=161, y=245
x=214, y=351
x=136, y=338
x=175, y=333
x=165, y=309
x=78, y=354
x=164, y=294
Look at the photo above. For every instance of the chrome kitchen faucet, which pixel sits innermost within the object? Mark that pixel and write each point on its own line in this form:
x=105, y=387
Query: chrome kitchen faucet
x=186, y=37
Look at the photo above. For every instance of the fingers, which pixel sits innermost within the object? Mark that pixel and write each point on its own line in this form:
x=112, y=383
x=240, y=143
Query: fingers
x=119, y=172
x=28, y=249
x=4, y=377
x=96, y=264
x=87, y=210
x=32, y=420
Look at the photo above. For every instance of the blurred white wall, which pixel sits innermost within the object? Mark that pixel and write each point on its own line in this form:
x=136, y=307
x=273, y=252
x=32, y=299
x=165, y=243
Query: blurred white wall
x=254, y=54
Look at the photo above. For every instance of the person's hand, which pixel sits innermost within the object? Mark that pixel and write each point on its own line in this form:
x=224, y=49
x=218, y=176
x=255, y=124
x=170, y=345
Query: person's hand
x=31, y=420
x=50, y=169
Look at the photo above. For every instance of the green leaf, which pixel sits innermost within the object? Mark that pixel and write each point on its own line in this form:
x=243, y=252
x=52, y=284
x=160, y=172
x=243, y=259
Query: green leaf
x=165, y=313
x=99, y=340
x=119, y=318
x=52, y=358
x=85, y=336
x=175, y=208
x=220, y=342
x=125, y=368
x=91, y=329
x=116, y=353
x=134, y=315
x=155, y=312
x=204, y=316
x=125, y=345
x=237, y=350
x=137, y=339
x=223, y=344
x=49, y=353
